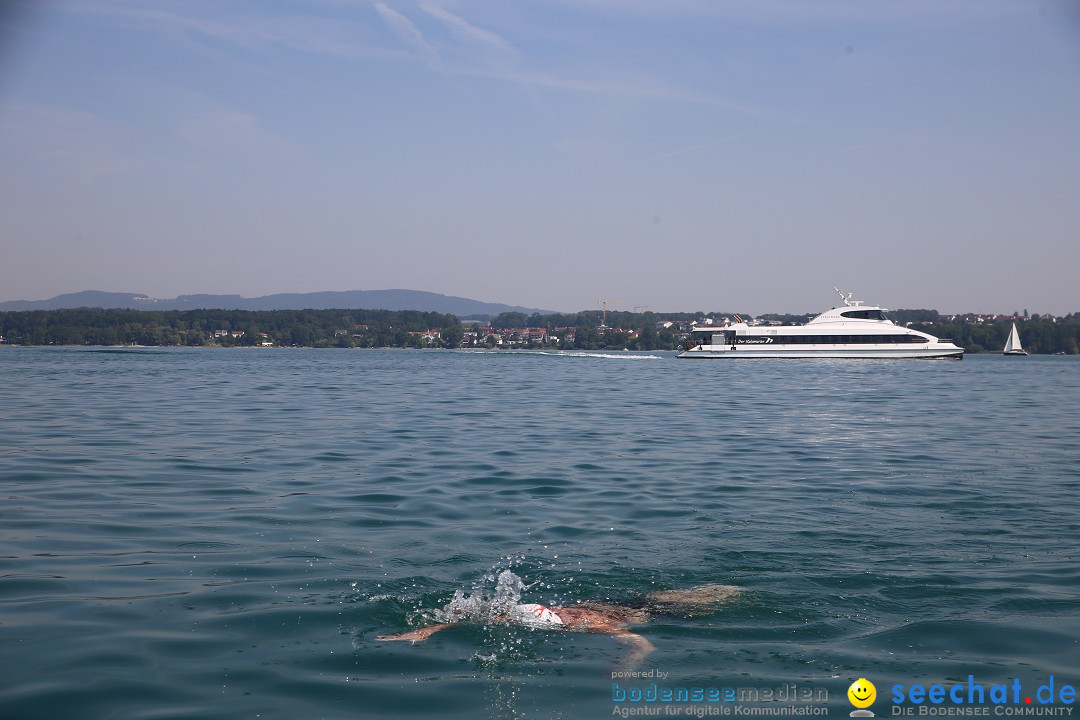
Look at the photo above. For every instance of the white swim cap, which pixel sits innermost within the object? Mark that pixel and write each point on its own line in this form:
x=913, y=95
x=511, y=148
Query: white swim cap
x=533, y=614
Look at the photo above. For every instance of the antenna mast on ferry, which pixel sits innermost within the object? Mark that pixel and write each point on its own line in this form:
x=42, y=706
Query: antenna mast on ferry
x=847, y=298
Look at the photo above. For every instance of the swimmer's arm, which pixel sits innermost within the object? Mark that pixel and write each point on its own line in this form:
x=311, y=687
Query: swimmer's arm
x=640, y=647
x=416, y=636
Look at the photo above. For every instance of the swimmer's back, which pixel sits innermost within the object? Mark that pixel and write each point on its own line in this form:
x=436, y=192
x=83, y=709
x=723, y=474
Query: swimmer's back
x=599, y=618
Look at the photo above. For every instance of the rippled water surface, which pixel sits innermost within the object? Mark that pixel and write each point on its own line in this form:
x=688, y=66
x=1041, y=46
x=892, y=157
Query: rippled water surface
x=223, y=534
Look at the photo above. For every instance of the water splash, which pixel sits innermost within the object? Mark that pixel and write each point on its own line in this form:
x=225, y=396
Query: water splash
x=479, y=606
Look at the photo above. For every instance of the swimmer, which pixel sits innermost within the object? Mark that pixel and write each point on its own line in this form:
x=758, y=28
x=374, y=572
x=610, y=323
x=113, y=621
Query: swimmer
x=591, y=617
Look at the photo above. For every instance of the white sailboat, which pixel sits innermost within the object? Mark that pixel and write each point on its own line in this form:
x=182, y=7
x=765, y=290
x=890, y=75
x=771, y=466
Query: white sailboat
x=1012, y=345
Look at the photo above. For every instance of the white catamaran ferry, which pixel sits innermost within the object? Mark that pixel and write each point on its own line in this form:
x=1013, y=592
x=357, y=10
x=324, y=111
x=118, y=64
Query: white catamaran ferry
x=850, y=331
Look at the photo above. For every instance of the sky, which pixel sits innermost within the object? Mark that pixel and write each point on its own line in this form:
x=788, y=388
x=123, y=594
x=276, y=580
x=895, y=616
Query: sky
x=671, y=155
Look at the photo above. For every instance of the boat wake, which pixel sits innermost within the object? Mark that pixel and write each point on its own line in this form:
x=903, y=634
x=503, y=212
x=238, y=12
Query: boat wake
x=594, y=354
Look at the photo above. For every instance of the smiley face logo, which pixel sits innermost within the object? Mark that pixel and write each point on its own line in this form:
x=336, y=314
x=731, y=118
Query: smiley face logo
x=862, y=693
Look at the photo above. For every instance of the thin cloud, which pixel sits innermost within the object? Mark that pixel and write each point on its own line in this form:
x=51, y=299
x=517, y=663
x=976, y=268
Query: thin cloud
x=313, y=35
x=334, y=37
x=407, y=32
x=787, y=11
x=465, y=30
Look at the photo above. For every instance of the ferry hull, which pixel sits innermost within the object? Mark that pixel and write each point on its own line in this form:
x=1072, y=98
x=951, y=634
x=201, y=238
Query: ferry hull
x=893, y=353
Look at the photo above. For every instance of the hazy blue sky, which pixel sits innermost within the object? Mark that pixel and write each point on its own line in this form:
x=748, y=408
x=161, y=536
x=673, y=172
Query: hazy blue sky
x=673, y=154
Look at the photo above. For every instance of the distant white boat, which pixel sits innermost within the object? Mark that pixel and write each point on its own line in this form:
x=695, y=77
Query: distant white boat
x=1012, y=345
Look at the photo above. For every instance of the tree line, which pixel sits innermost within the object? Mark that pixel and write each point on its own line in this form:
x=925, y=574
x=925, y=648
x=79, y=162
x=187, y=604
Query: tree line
x=588, y=330
x=303, y=328
x=1040, y=335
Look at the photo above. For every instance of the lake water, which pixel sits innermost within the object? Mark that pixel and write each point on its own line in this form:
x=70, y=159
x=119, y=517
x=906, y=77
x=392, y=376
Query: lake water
x=223, y=534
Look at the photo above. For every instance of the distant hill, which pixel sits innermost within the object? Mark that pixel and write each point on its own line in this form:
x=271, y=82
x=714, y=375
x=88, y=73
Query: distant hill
x=348, y=299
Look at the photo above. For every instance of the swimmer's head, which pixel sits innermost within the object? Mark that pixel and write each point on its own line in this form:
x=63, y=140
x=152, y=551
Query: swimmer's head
x=533, y=614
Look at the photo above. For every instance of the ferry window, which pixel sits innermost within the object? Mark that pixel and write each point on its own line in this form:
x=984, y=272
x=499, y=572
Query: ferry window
x=864, y=314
